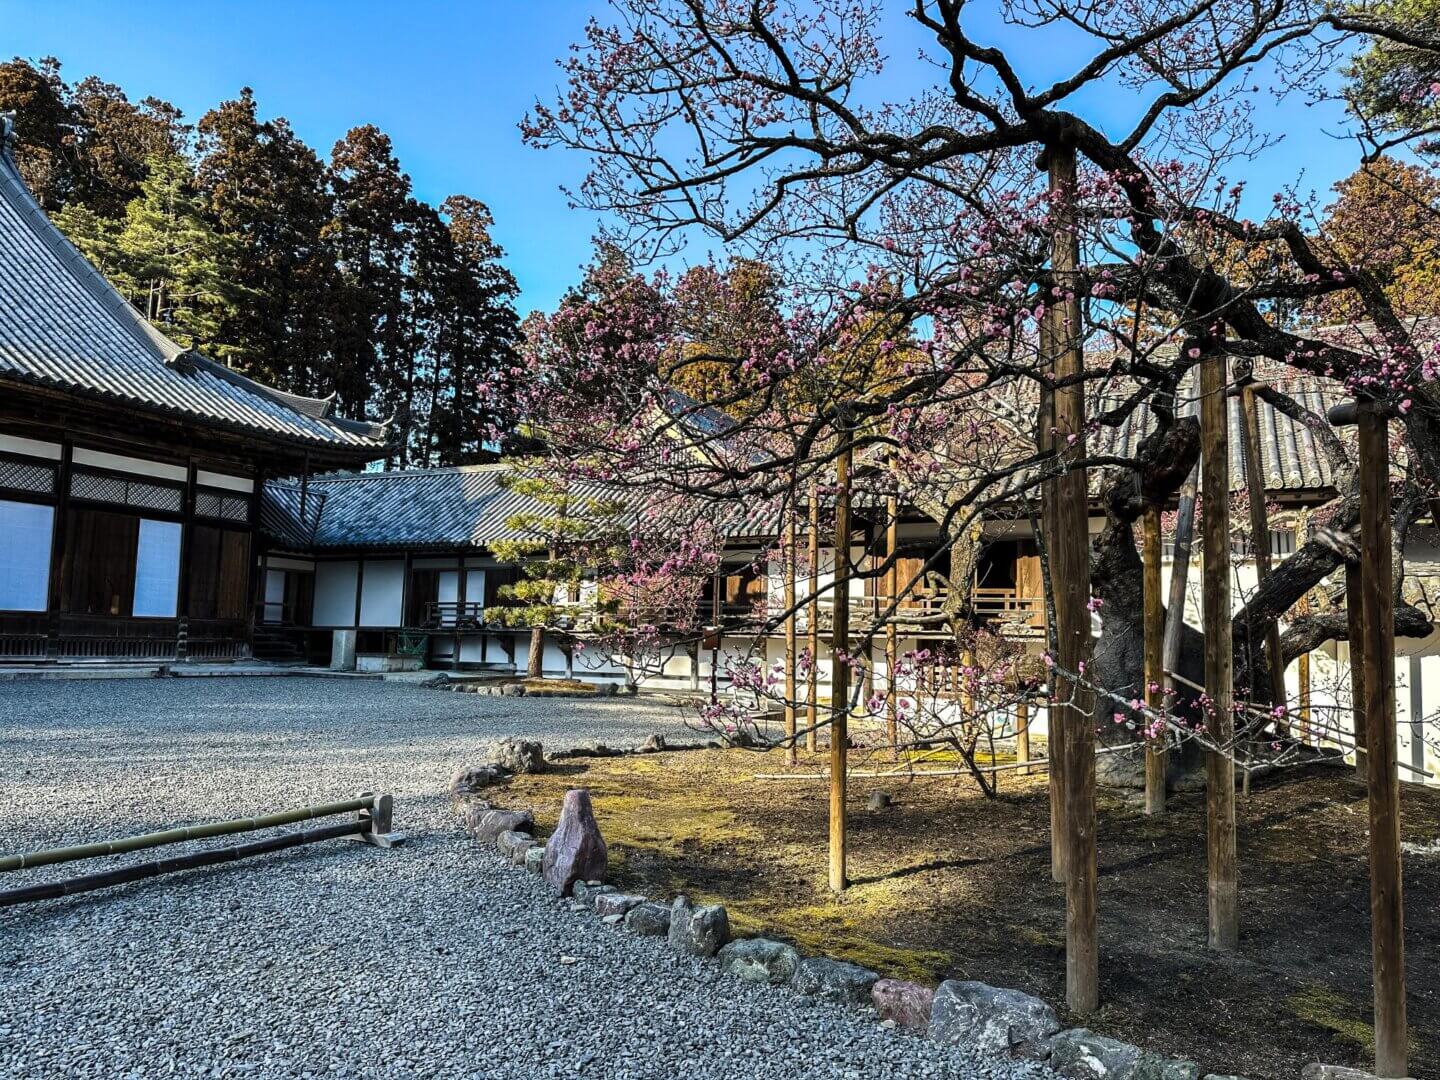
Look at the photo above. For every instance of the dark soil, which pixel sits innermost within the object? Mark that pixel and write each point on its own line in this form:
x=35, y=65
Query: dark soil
x=947, y=884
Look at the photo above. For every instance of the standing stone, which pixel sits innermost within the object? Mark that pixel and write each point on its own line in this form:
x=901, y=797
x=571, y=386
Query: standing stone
x=834, y=980
x=698, y=931
x=760, y=960
x=990, y=1019
x=650, y=919
x=907, y=1003
x=576, y=850
x=520, y=755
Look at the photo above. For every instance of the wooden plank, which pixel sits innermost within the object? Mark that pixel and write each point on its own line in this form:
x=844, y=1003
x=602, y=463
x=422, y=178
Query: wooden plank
x=1387, y=907
x=1260, y=545
x=840, y=673
x=1224, y=925
x=1156, y=756
x=789, y=566
x=1070, y=570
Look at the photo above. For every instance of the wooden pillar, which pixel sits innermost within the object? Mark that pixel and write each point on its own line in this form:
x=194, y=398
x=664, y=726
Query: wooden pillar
x=1022, y=736
x=812, y=680
x=1224, y=930
x=1054, y=720
x=1260, y=542
x=1156, y=756
x=840, y=674
x=789, y=565
x=1070, y=571
x=1302, y=675
x=1387, y=909
x=1355, y=610
x=892, y=631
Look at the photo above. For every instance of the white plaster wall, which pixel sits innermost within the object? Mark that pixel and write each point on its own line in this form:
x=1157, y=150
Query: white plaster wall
x=335, y=584
x=382, y=593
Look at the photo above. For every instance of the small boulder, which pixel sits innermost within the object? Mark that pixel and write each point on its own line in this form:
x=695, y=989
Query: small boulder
x=586, y=892
x=650, y=919
x=520, y=755
x=1317, y=1071
x=1080, y=1054
x=654, y=744
x=474, y=780
x=513, y=689
x=607, y=689
x=1152, y=1066
x=760, y=960
x=834, y=980
x=698, y=931
x=493, y=822
x=906, y=1003
x=879, y=800
x=988, y=1018
x=575, y=850
x=508, y=841
x=535, y=860
x=616, y=903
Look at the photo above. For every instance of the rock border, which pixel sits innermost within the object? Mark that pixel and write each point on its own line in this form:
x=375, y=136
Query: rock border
x=958, y=1012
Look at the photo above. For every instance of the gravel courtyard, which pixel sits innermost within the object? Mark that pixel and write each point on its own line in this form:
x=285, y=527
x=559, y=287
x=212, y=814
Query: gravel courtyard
x=338, y=959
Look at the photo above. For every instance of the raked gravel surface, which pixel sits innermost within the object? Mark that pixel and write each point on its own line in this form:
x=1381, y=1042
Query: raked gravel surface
x=336, y=959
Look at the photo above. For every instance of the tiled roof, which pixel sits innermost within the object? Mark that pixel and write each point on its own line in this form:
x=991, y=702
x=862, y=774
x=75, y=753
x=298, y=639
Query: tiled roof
x=437, y=509
x=1291, y=461
x=62, y=325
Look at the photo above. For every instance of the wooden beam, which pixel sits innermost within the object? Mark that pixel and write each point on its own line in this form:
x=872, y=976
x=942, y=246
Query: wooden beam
x=1377, y=589
x=789, y=565
x=1260, y=543
x=1070, y=569
x=1224, y=931
x=840, y=669
x=1156, y=755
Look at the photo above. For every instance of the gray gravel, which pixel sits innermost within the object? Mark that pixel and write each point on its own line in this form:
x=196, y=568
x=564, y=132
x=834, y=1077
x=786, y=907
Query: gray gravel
x=337, y=959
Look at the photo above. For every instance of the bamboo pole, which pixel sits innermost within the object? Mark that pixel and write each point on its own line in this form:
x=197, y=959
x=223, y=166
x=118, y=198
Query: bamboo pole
x=1387, y=907
x=52, y=856
x=812, y=620
x=1260, y=542
x=1224, y=931
x=90, y=882
x=840, y=665
x=1070, y=567
x=1156, y=757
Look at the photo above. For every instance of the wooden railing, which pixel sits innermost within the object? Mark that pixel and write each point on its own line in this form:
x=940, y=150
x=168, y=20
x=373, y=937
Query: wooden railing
x=1012, y=612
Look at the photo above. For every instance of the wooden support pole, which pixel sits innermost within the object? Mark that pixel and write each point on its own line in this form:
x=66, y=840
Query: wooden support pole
x=789, y=566
x=892, y=632
x=1302, y=676
x=1156, y=755
x=1260, y=543
x=1054, y=718
x=812, y=626
x=1224, y=929
x=1022, y=735
x=1387, y=908
x=1070, y=570
x=840, y=664
x=1355, y=610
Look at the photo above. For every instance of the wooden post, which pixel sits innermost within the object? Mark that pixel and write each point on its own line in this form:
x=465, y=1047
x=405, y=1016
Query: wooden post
x=1156, y=756
x=1070, y=570
x=788, y=567
x=1022, y=736
x=1224, y=932
x=1054, y=718
x=840, y=663
x=1260, y=542
x=1355, y=610
x=1302, y=676
x=892, y=632
x=1387, y=909
x=812, y=620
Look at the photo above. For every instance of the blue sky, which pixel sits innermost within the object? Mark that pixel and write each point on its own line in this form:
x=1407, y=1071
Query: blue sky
x=450, y=80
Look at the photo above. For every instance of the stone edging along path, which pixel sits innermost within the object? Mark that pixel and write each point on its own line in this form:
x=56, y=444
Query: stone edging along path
x=957, y=1012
